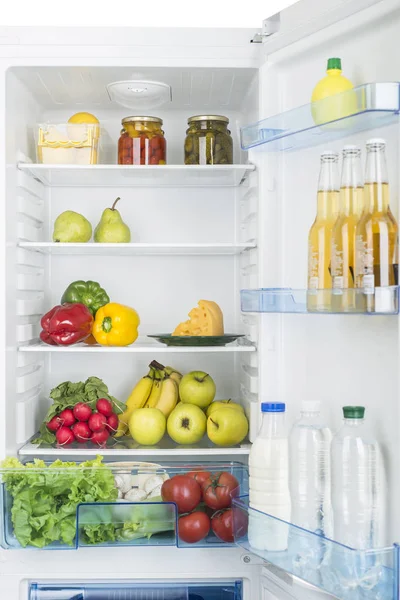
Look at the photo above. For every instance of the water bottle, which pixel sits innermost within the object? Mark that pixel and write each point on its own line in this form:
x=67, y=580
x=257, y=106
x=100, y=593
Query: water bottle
x=358, y=484
x=269, y=481
x=310, y=471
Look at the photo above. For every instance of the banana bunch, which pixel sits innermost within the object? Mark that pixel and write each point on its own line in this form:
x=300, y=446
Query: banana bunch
x=158, y=389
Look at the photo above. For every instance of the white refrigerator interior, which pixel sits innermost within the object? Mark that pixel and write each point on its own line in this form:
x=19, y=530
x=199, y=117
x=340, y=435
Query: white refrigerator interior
x=195, y=234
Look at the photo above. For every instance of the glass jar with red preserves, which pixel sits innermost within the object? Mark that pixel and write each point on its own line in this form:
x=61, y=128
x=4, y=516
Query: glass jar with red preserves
x=142, y=142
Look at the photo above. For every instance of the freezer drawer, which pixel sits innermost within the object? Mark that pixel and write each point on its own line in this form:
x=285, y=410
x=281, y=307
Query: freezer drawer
x=136, y=591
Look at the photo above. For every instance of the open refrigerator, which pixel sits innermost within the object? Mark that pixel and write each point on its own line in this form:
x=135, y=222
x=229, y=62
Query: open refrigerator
x=236, y=234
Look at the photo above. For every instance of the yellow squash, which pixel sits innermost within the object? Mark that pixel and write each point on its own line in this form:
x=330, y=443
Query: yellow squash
x=116, y=325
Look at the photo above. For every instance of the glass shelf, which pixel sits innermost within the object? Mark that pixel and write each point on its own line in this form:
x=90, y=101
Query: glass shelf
x=346, y=573
x=40, y=505
x=384, y=301
x=223, y=590
x=365, y=107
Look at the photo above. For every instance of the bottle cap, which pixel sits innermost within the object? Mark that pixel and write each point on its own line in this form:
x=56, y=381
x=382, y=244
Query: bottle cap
x=311, y=406
x=273, y=407
x=353, y=412
x=374, y=141
x=334, y=63
x=329, y=155
x=351, y=148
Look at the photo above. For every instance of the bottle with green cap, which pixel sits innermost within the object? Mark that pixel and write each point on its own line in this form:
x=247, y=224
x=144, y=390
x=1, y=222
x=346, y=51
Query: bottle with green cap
x=358, y=483
x=333, y=83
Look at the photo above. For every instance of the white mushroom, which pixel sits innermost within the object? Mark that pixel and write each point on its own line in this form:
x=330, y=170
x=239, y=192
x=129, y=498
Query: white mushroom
x=155, y=493
x=120, y=495
x=123, y=482
x=135, y=495
x=155, y=481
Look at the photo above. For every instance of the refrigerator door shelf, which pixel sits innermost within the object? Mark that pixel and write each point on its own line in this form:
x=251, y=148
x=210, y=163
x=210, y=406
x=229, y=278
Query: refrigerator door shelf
x=382, y=301
x=136, y=591
x=363, y=108
x=132, y=520
x=346, y=573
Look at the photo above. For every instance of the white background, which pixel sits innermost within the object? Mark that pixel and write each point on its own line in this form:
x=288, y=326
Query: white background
x=139, y=13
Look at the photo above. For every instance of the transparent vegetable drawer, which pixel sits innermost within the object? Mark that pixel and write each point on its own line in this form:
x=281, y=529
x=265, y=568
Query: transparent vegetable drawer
x=383, y=301
x=63, y=506
x=346, y=573
x=341, y=115
x=67, y=143
x=223, y=590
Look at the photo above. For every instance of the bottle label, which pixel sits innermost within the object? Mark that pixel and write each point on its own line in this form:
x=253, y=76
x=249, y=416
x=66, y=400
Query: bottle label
x=313, y=283
x=364, y=266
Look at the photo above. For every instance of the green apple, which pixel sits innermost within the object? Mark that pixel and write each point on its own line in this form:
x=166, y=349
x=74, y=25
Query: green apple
x=223, y=404
x=147, y=426
x=186, y=424
x=197, y=388
x=227, y=427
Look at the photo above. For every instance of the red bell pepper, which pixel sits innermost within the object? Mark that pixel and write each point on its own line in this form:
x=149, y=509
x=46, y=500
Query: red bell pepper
x=66, y=324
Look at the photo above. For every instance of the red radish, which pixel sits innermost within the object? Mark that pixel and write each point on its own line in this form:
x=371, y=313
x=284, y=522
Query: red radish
x=104, y=407
x=65, y=436
x=112, y=423
x=54, y=424
x=100, y=437
x=97, y=422
x=67, y=417
x=82, y=411
x=82, y=432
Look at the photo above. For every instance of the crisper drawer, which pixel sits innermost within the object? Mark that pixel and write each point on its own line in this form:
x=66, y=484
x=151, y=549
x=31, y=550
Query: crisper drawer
x=136, y=591
x=68, y=506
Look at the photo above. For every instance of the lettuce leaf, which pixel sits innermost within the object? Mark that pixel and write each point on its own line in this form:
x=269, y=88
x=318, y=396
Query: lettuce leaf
x=45, y=498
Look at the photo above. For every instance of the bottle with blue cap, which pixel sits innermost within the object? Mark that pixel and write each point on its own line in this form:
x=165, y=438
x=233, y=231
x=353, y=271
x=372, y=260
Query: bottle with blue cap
x=269, y=480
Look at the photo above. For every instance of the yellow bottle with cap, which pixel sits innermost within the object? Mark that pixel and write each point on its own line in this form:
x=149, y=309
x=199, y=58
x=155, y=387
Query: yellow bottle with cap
x=331, y=107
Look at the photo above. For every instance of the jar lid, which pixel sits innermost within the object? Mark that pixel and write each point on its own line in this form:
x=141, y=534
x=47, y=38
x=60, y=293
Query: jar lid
x=142, y=119
x=207, y=118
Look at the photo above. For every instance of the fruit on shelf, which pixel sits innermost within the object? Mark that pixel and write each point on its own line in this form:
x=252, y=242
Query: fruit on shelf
x=147, y=426
x=227, y=427
x=197, y=388
x=183, y=490
x=116, y=325
x=137, y=399
x=206, y=319
x=71, y=227
x=223, y=404
x=194, y=527
x=66, y=324
x=186, y=424
x=155, y=393
x=219, y=490
x=169, y=395
x=80, y=118
x=111, y=227
x=88, y=293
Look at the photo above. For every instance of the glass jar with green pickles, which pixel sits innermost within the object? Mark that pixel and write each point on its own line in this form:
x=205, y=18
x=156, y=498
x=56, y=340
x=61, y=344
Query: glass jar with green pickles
x=208, y=141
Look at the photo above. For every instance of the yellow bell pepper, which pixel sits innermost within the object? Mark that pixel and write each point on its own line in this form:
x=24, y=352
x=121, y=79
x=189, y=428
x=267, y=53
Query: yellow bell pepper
x=116, y=325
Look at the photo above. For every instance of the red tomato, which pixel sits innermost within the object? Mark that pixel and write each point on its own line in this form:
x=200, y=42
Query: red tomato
x=222, y=525
x=155, y=142
x=194, y=527
x=183, y=490
x=154, y=160
x=219, y=489
x=199, y=476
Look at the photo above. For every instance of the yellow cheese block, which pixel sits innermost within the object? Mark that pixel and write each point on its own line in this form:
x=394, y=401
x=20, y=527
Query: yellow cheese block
x=206, y=319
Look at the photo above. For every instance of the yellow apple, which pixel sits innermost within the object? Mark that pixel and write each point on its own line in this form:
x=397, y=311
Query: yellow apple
x=147, y=426
x=222, y=404
x=186, y=424
x=197, y=388
x=227, y=427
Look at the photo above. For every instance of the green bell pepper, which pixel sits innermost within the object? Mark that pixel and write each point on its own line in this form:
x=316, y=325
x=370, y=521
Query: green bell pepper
x=88, y=293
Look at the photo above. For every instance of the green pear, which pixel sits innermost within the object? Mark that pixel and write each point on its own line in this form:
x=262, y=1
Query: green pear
x=227, y=427
x=70, y=226
x=111, y=228
x=223, y=404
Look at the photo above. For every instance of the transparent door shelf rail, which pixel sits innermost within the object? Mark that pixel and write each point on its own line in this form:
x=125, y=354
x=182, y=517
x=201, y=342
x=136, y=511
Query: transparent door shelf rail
x=138, y=175
x=365, y=107
x=384, y=301
x=142, y=346
x=140, y=249
x=346, y=573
